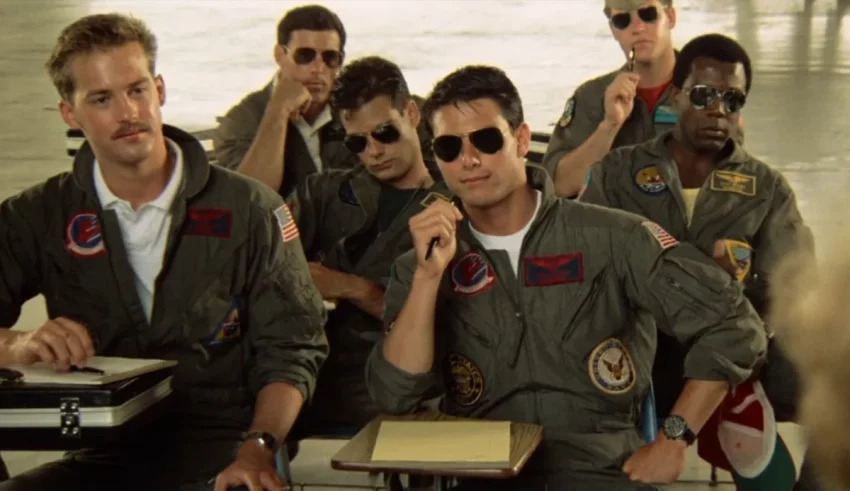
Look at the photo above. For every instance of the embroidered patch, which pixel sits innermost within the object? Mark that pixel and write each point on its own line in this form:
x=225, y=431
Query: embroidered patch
x=733, y=182
x=665, y=115
x=741, y=255
x=569, y=112
x=649, y=180
x=664, y=239
x=208, y=222
x=432, y=197
x=467, y=382
x=554, y=270
x=230, y=327
x=611, y=368
x=346, y=194
x=84, y=235
x=471, y=274
x=288, y=229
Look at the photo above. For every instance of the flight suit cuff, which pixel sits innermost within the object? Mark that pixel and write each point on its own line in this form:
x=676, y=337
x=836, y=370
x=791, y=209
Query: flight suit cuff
x=393, y=389
x=703, y=364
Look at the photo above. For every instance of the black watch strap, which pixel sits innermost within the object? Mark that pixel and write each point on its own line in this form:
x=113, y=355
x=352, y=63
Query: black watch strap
x=267, y=440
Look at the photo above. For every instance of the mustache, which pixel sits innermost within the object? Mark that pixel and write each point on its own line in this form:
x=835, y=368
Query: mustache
x=131, y=128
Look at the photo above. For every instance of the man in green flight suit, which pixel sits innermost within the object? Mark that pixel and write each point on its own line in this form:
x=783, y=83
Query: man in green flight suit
x=533, y=307
x=702, y=186
x=353, y=225
x=144, y=250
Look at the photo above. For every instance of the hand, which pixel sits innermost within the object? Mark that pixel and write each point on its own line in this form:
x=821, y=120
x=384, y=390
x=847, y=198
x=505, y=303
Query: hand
x=332, y=284
x=59, y=342
x=439, y=220
x=721, y=257
x=290, y=95
x=660, y=462
x=254, y=468
x=620, y=98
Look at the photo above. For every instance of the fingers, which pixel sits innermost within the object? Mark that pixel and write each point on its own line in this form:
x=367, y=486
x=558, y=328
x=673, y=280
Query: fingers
x=54, y=339
x=271, y=482
x=719, y=250
x=78, y=340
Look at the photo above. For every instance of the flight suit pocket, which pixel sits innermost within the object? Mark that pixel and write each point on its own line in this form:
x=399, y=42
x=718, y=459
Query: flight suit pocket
x=584, y=311
x=680, y=287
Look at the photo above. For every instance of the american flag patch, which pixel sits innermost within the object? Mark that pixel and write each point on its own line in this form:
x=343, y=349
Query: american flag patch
x=664, y=239
x=288, y=229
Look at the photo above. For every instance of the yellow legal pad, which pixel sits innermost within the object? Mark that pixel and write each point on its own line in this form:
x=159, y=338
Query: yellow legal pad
x=444, y=444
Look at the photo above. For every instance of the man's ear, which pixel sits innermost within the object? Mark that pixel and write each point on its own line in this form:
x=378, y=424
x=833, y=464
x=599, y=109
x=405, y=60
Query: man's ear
x=412, y=113
x=159, y=83
x=671, y=15
x=66, y=110
x=523, y=139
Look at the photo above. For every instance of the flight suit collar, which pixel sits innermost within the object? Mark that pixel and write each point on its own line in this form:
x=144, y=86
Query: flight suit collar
x=196, y=167
x=733, y=153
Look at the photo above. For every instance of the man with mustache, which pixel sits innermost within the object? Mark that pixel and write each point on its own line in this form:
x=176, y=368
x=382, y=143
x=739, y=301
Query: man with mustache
x=355, y=223
x=145, y=250
x=697, y=182
x=285, y=131
x=533, y=308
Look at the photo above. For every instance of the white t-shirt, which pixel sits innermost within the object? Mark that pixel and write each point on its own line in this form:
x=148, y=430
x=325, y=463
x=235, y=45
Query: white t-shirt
x=512, y=244
x=145, y=231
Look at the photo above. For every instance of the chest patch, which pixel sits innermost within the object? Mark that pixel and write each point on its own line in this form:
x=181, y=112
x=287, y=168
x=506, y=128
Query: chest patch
x=467, y=381
x=649, y=180
x=84, y=235
x=471, y=274
x=665, y=115
x=208, y=222
x=553, y=270
x=611, y=367
x=432, y=197
x=733, y=182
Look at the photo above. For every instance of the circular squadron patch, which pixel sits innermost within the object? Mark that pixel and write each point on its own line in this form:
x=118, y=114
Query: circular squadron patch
x=611, y=368
x=83, y=235
x=649, y=180
x=467, y=382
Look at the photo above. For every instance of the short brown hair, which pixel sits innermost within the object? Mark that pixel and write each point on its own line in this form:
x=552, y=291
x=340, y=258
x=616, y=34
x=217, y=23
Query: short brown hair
x=92, y=33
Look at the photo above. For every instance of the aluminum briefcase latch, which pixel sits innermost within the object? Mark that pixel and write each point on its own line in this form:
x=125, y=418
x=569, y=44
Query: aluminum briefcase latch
x=69, y=418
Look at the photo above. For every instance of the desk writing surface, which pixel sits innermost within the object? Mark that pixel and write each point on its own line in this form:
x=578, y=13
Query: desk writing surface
x=356, y=455
x=460, y=444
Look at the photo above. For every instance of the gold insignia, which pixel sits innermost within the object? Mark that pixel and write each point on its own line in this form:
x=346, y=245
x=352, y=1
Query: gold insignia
x=467, y=380
x=732, y=182
x=433, y=196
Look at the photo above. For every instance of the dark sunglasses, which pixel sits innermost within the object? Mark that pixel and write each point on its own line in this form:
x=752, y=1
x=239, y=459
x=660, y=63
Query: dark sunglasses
x=305, y=56
x=703, y=96
x=487, y=140
x=622, y=20
x=386, y=133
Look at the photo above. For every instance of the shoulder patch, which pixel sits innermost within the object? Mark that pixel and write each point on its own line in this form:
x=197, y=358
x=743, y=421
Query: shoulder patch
x=733, y=182
x=664, y=239
x=649, y=180
x=665, y=114
x=741, y=255
x=288, y=229
x=611, y=367
x=569, y=112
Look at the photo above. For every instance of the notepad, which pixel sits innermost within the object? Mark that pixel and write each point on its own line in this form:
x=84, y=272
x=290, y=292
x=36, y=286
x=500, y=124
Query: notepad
x=114, y=369
x=443, y=444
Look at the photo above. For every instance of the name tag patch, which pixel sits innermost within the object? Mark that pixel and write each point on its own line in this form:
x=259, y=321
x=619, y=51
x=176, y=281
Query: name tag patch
x=208, y=222
x=733, y=182
x=553, y=270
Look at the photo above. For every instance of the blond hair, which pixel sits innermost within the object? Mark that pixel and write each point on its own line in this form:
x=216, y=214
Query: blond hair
x=94, y=33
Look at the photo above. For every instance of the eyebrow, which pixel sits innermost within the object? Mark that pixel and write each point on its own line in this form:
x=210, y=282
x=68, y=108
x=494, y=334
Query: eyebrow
x=100, y=92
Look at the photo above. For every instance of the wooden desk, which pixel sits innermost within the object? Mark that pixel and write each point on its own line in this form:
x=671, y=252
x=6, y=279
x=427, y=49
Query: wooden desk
x=357, y=454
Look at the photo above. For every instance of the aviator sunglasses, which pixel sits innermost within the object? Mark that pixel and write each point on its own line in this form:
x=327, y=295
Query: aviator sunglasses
x=386, y=134
x=703, y=96
x=487, y=140
x=647, y=15
x=305, y=56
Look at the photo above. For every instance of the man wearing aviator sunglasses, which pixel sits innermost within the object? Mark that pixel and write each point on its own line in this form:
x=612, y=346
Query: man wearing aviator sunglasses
x=697, y=182
x=532, y=308
x=286, y=131
x=353, y=224
x=624, y=107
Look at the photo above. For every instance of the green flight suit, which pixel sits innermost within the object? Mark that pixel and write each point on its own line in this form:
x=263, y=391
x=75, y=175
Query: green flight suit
x=338, y=214
x=743, y=200
x=234, y=305
x=569, y=344
x=238, y=127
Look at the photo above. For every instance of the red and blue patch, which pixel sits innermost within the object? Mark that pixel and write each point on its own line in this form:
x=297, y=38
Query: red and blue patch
x=229, y=328
x=553, y=270
x=208, y=222
x=84, y=235
x=472, y=275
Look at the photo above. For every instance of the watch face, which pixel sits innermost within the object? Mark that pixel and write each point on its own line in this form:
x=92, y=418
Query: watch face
x=674, y=427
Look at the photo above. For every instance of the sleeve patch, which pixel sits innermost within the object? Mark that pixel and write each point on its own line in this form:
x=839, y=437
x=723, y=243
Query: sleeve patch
x=664, y=239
